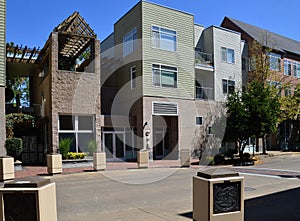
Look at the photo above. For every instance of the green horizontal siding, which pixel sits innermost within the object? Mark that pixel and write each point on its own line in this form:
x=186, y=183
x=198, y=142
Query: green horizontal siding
x=183, y=58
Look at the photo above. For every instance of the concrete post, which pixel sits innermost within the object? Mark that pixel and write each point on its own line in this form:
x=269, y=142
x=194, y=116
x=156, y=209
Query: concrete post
x=99, y=161
x=7, y=168
x=185, y=157
x=143, y=159
x=54, y=163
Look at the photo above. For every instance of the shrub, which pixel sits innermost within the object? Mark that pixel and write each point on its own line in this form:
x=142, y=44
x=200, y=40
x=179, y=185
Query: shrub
x=14, y=147
x=74, y=155
x=247, y=156
x=92, y=147
x=219, y=159
x=230, y=153
x=64, y=147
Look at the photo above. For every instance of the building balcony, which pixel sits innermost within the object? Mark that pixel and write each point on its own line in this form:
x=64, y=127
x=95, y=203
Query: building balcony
x=203, y=59
x=204, y=93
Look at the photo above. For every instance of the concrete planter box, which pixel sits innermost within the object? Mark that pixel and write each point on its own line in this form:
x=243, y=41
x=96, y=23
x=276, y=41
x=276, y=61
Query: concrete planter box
x=185, y=158
x=143, y=159
x=7, y=169
x=99, y=161
x=32, y=197
x=54, y=163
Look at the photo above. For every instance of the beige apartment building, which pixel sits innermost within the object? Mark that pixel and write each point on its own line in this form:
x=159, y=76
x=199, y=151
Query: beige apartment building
x=164, y=79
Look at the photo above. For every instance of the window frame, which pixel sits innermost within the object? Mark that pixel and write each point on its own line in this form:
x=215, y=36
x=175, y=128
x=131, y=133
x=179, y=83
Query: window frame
x=133, y=77
x=228, y=90
x=278, y=62
x=159, y=68
x=287, y=67
x=225, y=55
x=129, y=37
x=296, y=65
x=76, y=131
x=201, y=121
x=162, y=32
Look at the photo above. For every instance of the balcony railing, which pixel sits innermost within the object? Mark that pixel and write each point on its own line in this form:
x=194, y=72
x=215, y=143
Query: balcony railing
x=204, y=93
x=202, y=58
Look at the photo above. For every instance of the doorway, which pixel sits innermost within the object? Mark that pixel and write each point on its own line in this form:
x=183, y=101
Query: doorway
x=114, y=145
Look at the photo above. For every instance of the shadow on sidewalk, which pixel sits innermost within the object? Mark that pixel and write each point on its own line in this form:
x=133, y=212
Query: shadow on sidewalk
x=281, y=206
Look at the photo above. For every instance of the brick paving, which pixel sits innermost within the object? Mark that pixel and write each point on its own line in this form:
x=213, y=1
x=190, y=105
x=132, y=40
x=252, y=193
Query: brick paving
x=27, y=171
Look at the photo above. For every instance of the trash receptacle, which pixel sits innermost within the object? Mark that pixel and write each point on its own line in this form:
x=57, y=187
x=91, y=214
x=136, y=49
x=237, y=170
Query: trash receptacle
x=218, y=195
x=32, y=198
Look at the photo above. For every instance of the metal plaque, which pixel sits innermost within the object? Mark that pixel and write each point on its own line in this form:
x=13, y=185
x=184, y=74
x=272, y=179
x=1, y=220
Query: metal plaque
x=227, y=197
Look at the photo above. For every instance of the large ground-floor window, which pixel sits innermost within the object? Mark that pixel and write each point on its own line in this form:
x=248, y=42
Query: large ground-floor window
x=81, y=128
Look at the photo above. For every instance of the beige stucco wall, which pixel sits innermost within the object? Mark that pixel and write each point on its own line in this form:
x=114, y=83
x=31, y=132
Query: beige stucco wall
x=188, y=110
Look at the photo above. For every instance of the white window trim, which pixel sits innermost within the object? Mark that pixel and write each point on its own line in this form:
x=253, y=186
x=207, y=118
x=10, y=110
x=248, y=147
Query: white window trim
x=159, y=86
x=160, y=27
x=202, y=123
x=295, y=65
x=132, y=70
x=76, y=131
x=287, y=63
x=227, y=61
x=278, y=57
x=227, y=91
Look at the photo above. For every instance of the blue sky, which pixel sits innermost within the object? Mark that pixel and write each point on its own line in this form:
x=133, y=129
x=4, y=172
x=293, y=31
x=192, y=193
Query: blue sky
x=30, y=22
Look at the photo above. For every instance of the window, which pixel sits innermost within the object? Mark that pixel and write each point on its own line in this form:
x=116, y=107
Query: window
x=297, y=69
x=288, y=91
x=164, y=38
x=227, y=55
x=133, y=77
x=228, y=86
x=274, y=62
x=287, y=67
x=209, y=130
x=129, y=42
x=164, y=76
x=244, y=63
x=79, y=128
x=199, y=121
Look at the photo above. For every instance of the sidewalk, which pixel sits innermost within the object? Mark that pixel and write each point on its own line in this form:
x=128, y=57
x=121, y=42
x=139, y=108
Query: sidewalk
x=27, y=171
x=42, y=170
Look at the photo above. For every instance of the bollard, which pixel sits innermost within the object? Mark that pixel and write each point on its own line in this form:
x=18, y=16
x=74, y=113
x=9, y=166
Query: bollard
x=54, y=163
x=185, y=158
x=143, y=159
x=99, y=161
x=7, y=168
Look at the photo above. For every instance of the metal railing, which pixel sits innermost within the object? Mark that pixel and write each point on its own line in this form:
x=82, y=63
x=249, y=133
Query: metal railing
x=202, y=58
x=204, y=93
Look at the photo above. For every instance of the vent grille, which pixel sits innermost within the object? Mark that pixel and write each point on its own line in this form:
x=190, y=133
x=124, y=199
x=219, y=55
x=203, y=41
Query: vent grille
x=159, y=108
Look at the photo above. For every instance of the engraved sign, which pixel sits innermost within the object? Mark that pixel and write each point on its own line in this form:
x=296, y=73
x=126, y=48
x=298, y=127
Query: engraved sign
x=227, y=197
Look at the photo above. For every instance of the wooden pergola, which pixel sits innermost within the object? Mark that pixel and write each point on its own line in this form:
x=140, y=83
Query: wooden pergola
x=20, y=54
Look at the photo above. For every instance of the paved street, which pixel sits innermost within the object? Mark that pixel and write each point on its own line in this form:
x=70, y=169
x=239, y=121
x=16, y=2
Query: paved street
x=166, y=193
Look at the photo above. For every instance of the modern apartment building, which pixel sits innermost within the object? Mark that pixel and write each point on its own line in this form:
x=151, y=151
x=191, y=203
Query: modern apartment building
x=2, y=74
x=284, y=60
x=162, y=78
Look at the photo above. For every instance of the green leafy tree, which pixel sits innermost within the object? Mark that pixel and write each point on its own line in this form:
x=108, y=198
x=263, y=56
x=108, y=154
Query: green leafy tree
x=20, y=87
x=252, y=113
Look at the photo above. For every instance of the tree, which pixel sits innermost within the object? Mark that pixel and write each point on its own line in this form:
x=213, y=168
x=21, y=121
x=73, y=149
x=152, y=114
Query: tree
x=20, y=87
x=264, y=108
x=238, y=121
x=252, y=113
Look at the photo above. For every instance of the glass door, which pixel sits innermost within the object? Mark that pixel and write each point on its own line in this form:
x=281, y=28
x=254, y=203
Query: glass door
x=114, y=145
